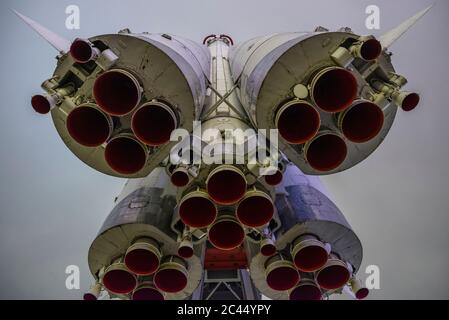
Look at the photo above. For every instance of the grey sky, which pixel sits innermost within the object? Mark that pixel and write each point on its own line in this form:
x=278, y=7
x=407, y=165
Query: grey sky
x=52, y=204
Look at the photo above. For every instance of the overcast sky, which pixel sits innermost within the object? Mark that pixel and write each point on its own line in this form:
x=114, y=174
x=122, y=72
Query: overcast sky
x=52, y=204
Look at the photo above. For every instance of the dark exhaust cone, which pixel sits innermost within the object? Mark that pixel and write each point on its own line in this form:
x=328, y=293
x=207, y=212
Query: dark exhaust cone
x=267, y=247
x=89, y=126
x=297, y=122
x=306, y=290
x=334, y=89
x=197, y=210
x=334, y=275
x=255, y=209
x=281, y=273
x=143, y=256
x=118, y=279
x=153, y=123
x=326, y=151
x=185, y=249
x=125, y=155
x=180, y=177
x=226, y=184
x=274, y=179
x=406, y=100
x=43, y=103
x=308, y=253
x=94, y=292
x=361, y=122
x=147, y=291
x=359, y=290
x=367, y=50
x=226, y=233
x=172, y=275
x=82, y=51
x=117, y=92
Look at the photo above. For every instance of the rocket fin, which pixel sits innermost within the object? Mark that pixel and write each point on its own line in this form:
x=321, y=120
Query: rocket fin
x=394, y=34
x=58, y=42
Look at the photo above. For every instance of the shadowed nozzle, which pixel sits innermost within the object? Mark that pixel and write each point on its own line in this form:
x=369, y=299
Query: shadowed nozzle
x=226, y=233
x=367, y=50
x=305, y=290
x=153, y=123
x=117, y=92
x=326, y=151
x=226, y=184
x=297, y=122
x=335, y=274
x=125, y=154
x=255, y=209
x=267, y=247
x=308, y=253
x=118, y=279
x=185, y=249
x=281, y=273
x=143, y=256
x=406, y=100
x=43, y=103
x=274, y=179
x=94, y=292
x=361, y=122
x=147, y=291
x=89, y=126
x=334, y=89
x=180, y=177
x=197, y=210
x=359, y=290
x=172, y=275
x=82, y=51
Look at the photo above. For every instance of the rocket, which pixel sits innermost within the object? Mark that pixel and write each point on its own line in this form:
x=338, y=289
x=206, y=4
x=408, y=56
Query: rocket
x=223, y=145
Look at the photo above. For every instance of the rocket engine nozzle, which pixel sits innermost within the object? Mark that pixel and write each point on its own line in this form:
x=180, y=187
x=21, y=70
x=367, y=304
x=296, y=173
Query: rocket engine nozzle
x=43, y=103
x=153, y=123
x=94, y=292
x=180, y=177
x=147, y=291
x=226, y=233
x=143, y=256
x=185, y=249
x=326, y=151
x=297, y=121
x=255, y=209
x=367, y=50
x=361, y=122
x=306, y=290
x=226, y=184
x=117, y=92
x=118, y=279
x=309, y=254
x=281, y=273
x=83, y=51
x=334, y=274
x=359, y=290
x=406, y=100
x=334, y=89
x=267, y=247
x=89, y=126
x=172, y=275
x=125, y=155
x=274, y=179
x=197, y=210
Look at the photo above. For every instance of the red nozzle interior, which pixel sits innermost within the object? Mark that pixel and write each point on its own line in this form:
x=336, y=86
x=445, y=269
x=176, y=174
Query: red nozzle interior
x=116, y=93
x=226, y=186
x=81, y=51
x=268, y=250
x=170, y=280
x=274, y=179
x=310, y=258
x=362, y=122
x=153, y=124
x=410, y=102
x=282, y=278
x=306, y=292
x=362, y=293
x=298, y=123
x=197, y=212
x=333, y=277
x=89, y=297
x=371, y=49
x=255, y=211
x=119, y=281
x=226, y=235
x=335, y=90
x=147, y=294
x=40, y=104
x=326, y=152
x=179, y=178
x=88, y=126
x=185, y=252
x=125, y=155
x=141, y=261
